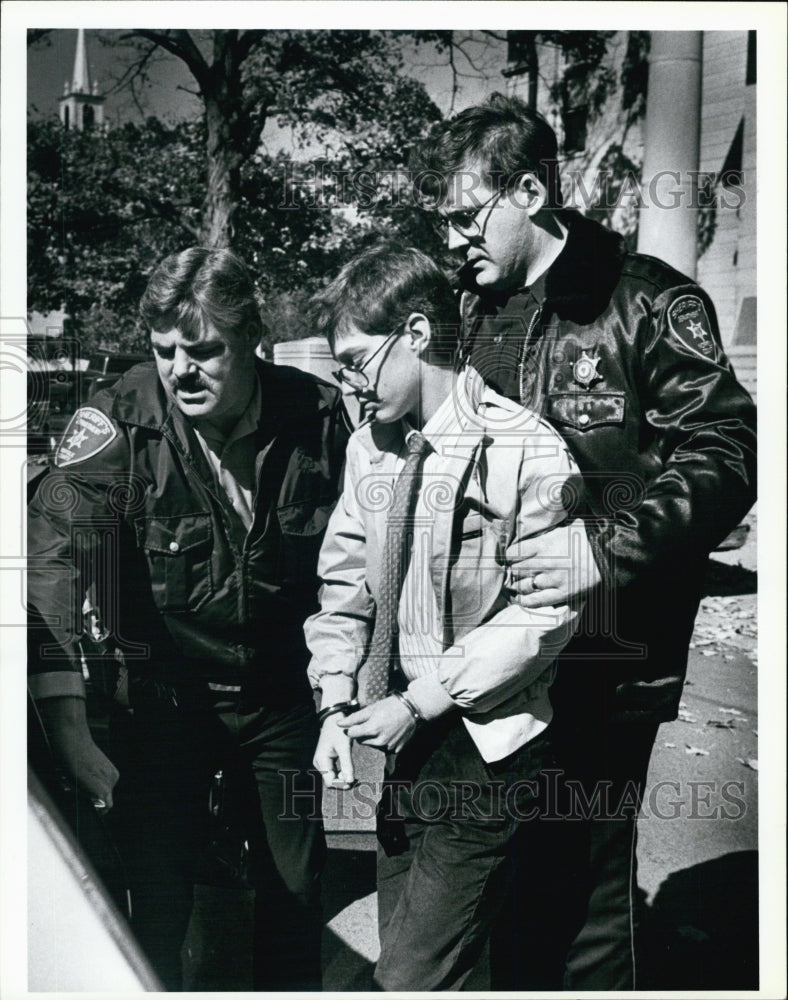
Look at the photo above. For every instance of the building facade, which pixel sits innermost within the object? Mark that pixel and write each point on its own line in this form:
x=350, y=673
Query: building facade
x=593, y=140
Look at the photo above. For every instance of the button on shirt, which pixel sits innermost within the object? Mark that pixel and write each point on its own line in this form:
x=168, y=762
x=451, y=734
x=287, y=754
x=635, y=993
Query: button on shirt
x=233, y=456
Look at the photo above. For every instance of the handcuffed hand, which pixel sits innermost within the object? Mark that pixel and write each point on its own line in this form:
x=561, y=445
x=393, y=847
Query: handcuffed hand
x=553, y=568
x=387, y=725
x=333, y=756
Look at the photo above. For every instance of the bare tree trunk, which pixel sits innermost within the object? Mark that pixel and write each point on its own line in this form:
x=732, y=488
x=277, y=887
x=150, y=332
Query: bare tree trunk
x=223, y=176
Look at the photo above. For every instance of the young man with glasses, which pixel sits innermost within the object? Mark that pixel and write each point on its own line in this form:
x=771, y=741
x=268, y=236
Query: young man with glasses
x=622, y=355
x=419, y=649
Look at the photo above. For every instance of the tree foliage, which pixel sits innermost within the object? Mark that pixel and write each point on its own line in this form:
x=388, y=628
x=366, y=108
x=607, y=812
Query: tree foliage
x=105, y=207
x=345, y=89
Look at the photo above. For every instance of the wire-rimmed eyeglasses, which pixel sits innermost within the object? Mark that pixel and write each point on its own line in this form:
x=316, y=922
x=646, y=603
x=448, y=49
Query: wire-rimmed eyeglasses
x=463, y=221
x=357, y=378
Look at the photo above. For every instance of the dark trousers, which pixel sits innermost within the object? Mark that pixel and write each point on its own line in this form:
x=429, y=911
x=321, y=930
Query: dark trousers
x=168, y=759
x=445, y=826
x=574, y=922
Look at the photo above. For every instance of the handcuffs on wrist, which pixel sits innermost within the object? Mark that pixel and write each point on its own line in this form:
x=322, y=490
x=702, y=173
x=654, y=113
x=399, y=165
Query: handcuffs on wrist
x=418, y=718
x=343, y=707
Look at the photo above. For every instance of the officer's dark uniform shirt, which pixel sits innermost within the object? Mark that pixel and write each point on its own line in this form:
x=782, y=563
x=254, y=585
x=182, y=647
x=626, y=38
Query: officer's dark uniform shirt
x=190, y=591
x=500, y=354
x=622, y=354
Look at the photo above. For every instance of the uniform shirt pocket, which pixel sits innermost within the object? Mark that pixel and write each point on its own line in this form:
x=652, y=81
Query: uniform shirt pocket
x=582, y=411
x=302, y=526
x=178, y=550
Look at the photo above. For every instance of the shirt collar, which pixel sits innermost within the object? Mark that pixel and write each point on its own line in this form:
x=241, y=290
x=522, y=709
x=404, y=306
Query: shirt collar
x=444, y=420
x=537, y=289
x=247, y=424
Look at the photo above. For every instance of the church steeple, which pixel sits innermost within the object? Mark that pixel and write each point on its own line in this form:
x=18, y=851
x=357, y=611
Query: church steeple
x=81, y=106
x=80, y=81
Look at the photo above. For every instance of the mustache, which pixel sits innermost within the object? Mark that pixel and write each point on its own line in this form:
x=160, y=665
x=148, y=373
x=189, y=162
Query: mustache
x=189, y=383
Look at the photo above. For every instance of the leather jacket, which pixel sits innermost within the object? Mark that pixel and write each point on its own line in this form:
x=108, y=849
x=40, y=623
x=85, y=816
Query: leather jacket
x=622, y=354
x=187, y=595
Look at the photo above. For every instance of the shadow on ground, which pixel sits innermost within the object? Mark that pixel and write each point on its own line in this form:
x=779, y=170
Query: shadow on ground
x=218, y=946
x=702, y=927
x=723, y=580
x=349, y=876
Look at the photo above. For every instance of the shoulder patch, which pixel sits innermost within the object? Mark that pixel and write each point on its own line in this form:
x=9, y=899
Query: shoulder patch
x=89, y=431
x=689, y=322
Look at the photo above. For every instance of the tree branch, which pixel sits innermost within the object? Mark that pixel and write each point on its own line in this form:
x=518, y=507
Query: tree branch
x=136, y=70
x=36, y=35
x=181, y=44
x=246, y=42
x=459, y=46
x=454, y=84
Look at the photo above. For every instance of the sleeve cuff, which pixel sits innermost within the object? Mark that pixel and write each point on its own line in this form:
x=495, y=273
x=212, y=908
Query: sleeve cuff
x=56, y=684
x=599, y=539
x=429, y=696
x=336, y=688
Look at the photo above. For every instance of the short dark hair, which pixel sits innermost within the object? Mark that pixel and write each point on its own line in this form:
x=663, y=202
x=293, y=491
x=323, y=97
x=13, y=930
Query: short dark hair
x=382, y=286
x=200, y=284
x=503, y=137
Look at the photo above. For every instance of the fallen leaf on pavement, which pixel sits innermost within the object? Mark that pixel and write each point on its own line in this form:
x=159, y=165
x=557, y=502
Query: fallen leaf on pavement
x=731, y=711
x=697, y=751
x=670, y=746
x=751, y=763
x=728, y=724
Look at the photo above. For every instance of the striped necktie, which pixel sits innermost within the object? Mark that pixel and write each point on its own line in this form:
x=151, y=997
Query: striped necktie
x=373, y=680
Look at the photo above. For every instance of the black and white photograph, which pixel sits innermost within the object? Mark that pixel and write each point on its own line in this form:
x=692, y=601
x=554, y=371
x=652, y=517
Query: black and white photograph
x=393, y=505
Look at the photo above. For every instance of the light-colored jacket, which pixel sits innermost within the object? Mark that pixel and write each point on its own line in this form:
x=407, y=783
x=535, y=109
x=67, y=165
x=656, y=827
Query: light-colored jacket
x=503, y=476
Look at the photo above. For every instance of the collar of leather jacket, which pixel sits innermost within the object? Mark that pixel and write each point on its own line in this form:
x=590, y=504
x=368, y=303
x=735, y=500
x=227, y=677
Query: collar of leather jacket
x=581, y=280
x=289, y=395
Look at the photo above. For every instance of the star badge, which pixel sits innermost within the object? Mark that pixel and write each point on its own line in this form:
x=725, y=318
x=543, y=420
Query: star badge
x=76, y=440
x=585, y=371
x=697, y=331
x=89, y=431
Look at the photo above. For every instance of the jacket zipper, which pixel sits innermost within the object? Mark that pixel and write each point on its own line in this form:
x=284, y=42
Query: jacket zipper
x=526, y=346
x=238, y=554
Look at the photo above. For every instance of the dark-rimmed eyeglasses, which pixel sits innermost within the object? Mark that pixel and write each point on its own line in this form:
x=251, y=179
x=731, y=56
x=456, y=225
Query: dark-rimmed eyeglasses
x=463, y=221
x=357, y=378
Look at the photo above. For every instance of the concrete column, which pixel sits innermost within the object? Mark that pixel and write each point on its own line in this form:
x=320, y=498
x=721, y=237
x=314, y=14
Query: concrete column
x=668, y=217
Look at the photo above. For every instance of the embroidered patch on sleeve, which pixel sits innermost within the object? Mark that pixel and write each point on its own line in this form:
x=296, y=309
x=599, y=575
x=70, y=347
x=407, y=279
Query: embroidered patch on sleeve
x=89, y=431
x=689, y=321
